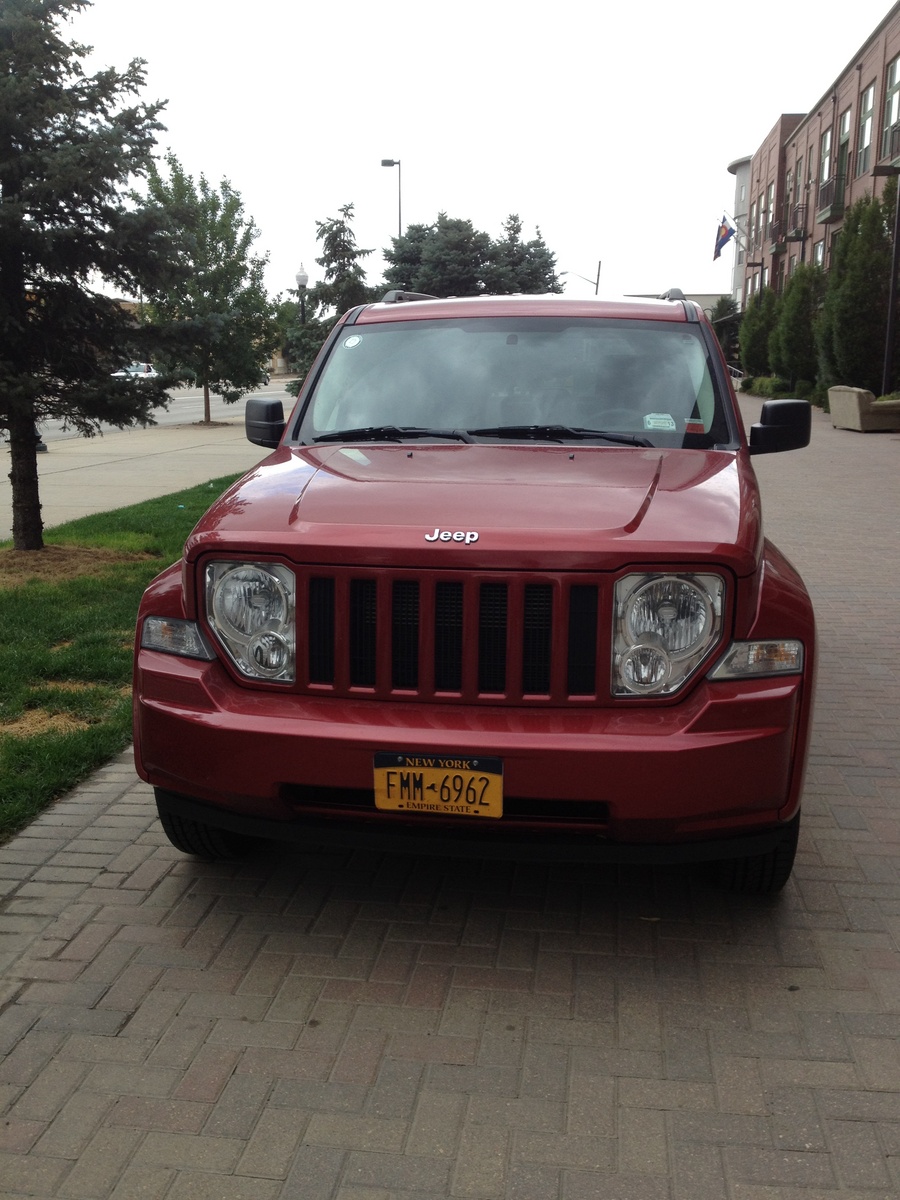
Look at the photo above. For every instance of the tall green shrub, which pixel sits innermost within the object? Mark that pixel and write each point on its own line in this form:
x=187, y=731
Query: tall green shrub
x=759, y=320
x=792, y=343
x=851, y=331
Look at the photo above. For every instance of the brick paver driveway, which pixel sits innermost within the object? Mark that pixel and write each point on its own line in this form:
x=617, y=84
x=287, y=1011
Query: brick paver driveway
x=360, y=1027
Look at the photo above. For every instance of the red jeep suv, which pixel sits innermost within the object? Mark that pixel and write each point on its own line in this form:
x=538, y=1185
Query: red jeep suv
x=503, y=585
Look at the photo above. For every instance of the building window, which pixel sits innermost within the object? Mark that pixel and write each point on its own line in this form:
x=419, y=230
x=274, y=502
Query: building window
x=743, y=192
x=825, y=157
x=752, y=226
x=819, y=254
x=793, y=264
x=891, y=106
x=866, y=121
x=842, y=168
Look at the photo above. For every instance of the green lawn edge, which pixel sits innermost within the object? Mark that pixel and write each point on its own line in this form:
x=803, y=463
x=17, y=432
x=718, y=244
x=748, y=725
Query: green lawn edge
x=66, y=650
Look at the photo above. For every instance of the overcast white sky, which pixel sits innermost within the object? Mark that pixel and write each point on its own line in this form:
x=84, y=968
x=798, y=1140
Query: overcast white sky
x=610, y=130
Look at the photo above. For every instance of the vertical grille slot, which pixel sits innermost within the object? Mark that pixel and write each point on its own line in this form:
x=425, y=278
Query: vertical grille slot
x=320, y=634
x=363, y=632
x=448, y=637
x=476, y=637
x=405, y=634
x=492, y=621
x=537, y=632
x=582, y=664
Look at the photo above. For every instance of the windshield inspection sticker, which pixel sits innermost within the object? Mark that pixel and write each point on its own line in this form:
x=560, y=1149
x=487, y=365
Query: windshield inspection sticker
x=659, y=421
x=352, y=341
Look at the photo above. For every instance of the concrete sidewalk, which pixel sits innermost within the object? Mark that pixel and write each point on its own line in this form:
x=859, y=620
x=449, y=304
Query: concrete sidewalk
x=313, y=1025
x=87, y=475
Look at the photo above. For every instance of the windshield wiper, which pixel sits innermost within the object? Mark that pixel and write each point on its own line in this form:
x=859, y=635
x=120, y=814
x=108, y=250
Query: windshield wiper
x=559, y=433
x=391, y=433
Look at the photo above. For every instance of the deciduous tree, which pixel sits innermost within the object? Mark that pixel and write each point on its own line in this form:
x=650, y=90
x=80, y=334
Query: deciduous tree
x=216, y=319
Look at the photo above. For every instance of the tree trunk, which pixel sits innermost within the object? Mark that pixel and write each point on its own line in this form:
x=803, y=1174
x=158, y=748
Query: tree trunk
x=207, y=418
x=27, y=526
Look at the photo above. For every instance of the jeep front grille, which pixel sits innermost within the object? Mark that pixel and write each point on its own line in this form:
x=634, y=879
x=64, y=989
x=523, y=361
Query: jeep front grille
x=445, y=635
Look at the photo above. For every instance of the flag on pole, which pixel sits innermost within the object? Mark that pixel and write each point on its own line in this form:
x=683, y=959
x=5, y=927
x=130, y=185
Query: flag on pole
x=725, y=232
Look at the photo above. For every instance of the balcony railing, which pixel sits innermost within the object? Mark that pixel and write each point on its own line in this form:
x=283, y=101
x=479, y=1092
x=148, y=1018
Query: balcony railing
x=890, y=145
x=830, y=201
x=796, y=225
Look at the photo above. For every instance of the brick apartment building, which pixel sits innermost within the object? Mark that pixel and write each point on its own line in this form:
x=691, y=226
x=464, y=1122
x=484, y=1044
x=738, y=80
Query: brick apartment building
x=791, y=195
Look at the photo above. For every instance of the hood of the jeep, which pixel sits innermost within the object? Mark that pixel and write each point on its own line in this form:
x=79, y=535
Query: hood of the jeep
x=506, y=506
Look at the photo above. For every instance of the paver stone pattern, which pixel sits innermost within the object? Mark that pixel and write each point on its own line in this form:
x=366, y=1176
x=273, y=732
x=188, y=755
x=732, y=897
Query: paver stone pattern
x=327, y=1025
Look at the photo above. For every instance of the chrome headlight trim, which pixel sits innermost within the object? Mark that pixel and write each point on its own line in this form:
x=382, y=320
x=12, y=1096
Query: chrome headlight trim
x=665, y=625
x=250, y=607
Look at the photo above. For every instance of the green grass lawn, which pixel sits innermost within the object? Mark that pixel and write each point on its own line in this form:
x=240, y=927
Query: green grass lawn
x=66, y=649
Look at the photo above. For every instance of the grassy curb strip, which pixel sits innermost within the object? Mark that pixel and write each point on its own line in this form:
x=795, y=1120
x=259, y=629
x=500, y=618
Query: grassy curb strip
x=66, y=638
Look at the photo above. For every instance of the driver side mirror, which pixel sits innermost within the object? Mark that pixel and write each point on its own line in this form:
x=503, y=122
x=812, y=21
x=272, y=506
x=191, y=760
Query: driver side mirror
x=783, y=425
x=264, y=421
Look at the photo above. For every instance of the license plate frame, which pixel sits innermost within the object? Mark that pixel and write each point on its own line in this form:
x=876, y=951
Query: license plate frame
x=453, y=785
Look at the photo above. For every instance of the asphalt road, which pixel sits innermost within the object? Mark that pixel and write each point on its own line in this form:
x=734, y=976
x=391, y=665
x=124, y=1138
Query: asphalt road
x=185, y=407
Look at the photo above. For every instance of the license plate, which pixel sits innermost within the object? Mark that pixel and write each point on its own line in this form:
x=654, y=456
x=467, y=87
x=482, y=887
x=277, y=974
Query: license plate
x=446, y=784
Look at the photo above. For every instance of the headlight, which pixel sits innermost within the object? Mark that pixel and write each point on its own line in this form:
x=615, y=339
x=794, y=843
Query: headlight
x=250, y=607
x=665, y=625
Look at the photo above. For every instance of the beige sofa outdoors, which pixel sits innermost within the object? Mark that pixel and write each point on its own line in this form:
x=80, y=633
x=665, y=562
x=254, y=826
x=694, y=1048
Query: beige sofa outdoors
x=855, y=408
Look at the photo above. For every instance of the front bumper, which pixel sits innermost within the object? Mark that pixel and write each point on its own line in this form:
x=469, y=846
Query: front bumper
x=725, y=763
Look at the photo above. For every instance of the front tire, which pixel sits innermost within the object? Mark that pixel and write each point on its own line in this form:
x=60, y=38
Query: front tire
x=762, y=874
x=203, y=841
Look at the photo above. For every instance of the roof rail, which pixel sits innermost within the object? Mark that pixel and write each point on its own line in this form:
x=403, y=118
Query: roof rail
x=672, y=294
x=396, y=296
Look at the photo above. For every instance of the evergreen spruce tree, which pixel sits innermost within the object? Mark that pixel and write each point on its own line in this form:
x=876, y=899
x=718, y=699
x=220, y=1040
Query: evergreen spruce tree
x=792, y=345
x=343, y=287
x=859, y=309
x=452, y=258
x=517, y=266
x=726, y=322
x=69, y=144
x=758, y=322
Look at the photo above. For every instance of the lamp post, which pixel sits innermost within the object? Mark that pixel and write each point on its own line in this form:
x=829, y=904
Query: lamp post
x=595, y=282
x=302, y=280
x=395, y=162
x=888, y=371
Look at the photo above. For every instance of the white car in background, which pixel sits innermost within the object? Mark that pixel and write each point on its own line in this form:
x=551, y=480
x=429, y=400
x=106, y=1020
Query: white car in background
x=136, y=370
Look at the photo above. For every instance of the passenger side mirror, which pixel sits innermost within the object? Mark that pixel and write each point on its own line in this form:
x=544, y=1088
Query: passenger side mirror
x=264, y=421
x=783, y=425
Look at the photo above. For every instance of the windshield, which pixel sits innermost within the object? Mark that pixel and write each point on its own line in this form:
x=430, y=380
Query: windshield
x=497, y=378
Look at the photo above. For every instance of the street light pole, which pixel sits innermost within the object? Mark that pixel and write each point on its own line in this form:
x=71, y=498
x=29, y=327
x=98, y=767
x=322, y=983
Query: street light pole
x=302, y=280
x=595, y=282
x=395, y=162
x=888, y=371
